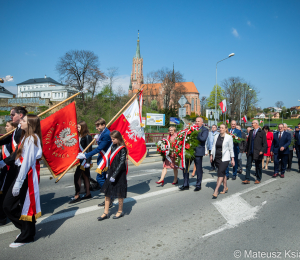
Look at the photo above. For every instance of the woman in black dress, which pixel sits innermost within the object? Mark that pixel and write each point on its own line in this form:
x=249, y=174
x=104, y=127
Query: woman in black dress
x=84, y=168
x=221, y=153
x=115, y=185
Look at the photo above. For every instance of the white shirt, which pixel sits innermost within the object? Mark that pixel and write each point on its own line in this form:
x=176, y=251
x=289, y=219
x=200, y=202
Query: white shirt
x=30, y=154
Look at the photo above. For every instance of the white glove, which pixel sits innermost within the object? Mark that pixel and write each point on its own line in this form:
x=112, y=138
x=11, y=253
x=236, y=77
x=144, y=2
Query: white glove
x=112, y=179
x=106, y=175
x=96, y=137
x=87, y=165
x=16, y=188
x=81, y=156
x=2, y=164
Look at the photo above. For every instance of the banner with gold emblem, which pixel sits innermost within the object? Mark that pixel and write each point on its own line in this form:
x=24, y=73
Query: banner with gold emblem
x=60, y=139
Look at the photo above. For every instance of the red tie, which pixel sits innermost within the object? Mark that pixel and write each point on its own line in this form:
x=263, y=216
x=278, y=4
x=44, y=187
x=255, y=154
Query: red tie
x=279, y=136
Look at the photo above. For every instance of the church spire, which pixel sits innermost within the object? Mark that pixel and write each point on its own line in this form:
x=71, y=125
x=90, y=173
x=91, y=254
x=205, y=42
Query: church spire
x=138, y=53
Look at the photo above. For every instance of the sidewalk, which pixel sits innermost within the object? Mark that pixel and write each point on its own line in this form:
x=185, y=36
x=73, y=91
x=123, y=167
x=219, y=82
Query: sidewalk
x=149, y=159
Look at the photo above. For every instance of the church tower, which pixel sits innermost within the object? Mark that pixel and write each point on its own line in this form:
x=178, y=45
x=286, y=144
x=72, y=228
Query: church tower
x=136, y=78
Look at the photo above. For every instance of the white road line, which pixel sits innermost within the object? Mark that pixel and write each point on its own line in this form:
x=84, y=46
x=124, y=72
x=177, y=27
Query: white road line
x=236, y=210
x=77, y=212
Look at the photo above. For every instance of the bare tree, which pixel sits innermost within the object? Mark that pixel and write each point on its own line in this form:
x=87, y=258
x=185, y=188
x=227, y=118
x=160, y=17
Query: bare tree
x=150, y=92
x=203, y=105
x=112, y=77
x=279, y=104
x=77, y=67
x=94, y=81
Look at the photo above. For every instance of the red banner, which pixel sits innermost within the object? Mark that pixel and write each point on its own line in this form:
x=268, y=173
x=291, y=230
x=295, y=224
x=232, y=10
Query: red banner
x=60, y=139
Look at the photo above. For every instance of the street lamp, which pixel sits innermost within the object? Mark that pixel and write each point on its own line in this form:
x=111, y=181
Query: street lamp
x=230, y=55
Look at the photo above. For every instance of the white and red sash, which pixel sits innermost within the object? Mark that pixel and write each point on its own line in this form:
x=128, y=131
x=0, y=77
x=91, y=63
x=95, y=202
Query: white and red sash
x=107, y=159
x=84, y=160
x=32, y=205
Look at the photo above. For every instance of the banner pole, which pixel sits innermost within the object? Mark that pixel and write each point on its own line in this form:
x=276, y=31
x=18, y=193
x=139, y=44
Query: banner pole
x=46, y=111
x=110, y=123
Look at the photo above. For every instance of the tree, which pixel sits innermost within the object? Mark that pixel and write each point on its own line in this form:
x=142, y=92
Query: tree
x=153, y=104
x=111, y=75
x=78, y=67
x=279, y=104
x=211, y=98
x=94, y=82
x=241, y=96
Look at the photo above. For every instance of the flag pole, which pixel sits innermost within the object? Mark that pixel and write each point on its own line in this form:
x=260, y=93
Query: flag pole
x=108, y=125
x=46, y=111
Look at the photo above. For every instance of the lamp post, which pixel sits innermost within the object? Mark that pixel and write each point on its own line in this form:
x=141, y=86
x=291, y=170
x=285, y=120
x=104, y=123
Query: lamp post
x=230, y=55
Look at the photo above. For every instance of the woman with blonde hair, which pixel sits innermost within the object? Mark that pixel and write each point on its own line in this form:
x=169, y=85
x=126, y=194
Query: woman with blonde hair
x=222, y=151
x=169, y=164
x=22, y=202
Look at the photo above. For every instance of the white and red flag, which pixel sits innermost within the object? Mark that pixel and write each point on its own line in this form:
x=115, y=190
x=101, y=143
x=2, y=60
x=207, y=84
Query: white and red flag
x=227, y=121
x=223, y=106
x=244, y=118
x=261, y=121
x=129, y=125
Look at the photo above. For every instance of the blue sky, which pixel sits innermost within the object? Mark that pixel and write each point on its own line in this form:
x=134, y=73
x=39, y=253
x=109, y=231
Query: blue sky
x=264, y=35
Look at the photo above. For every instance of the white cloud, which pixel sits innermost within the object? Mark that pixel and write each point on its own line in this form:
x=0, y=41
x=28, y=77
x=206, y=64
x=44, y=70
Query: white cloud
x=235, y=33
x=249, y=23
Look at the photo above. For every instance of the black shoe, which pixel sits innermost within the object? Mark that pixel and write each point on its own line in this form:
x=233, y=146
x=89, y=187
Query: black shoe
x=288, y=170
x=86, y=197
x=121, y=215
x=105, y=217
x=239, y=171
x=75, y=200
x=212, y=169
x=103, y=204
x=197, y=189
x=3, y=222
x=234, y=178
x=299, y=171
x=227, y=177
x=184, y=187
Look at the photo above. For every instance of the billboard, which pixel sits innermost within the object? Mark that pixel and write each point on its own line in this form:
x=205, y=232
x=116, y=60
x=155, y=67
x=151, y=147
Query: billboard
x=155, y=119
x=174, y=121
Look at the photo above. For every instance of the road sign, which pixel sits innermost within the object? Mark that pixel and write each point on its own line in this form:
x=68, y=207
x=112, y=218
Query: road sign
x=155, y=119
x=182, y=101
x=174, y=121
x=182, y=112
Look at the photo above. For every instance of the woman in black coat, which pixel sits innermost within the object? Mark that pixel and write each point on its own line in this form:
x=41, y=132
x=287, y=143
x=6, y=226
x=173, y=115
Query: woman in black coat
x=115, y=185
x=84, y=168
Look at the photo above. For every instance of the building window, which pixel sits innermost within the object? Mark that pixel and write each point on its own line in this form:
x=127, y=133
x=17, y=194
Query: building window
x=134, y=68
x=193, y=104
x=44, y=95
x=139, y=68
x=196, y=105
x=48, y=94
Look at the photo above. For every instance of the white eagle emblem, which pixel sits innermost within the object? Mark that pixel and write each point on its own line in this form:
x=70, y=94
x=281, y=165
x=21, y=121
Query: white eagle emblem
x=65, y=138
x=136, y=131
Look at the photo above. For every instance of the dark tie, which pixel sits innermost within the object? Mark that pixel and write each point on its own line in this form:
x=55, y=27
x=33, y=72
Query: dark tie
x=279, y=136
x=254, y=133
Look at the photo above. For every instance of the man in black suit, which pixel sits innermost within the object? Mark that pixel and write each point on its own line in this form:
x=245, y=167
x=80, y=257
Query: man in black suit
x=297, y=144
x=280, y=150
x=290, y=156
x=255, y=148
x=199, y=153
x=16, y=114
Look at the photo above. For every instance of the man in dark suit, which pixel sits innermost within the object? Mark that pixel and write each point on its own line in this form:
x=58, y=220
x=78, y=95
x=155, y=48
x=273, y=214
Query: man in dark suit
x=199, y=153
x=297, y=144
x=16, y=114
x=280, y=150
x=255, y=148
x=290, y=157
x=236, y=149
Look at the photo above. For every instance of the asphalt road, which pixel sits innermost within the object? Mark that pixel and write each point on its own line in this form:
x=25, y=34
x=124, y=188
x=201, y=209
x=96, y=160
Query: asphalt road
x=255, y=221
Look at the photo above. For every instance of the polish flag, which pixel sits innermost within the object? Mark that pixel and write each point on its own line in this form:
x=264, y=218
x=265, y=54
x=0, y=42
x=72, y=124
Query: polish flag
x=227, y=121
x=223, y=106
x=244, y=118
x=129, y=125
x=261, y=121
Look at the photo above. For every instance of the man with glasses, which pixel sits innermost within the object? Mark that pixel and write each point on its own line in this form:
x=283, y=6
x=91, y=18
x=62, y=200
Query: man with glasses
x=280, y=150
x=255, y=148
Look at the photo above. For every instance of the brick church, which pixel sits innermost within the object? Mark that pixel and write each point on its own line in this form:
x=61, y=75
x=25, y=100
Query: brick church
x=157, y=91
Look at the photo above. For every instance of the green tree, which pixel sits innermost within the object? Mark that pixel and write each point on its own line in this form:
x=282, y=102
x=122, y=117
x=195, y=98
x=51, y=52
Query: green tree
x=211, y=98
x=153, y=104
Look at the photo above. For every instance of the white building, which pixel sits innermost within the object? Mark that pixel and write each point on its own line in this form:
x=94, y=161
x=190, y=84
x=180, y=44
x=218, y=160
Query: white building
x=211, y=112
x=4, y=93
x=45, y=88
x=260, y=115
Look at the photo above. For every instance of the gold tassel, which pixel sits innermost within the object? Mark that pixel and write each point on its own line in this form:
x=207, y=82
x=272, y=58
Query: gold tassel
x=29, y=218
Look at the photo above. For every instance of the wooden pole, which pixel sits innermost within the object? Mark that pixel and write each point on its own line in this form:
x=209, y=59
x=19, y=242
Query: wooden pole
x=108, y=125
x=46, y=111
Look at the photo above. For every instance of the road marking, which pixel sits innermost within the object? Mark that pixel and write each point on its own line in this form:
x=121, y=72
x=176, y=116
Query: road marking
x=236, y=210
x=77, y=212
